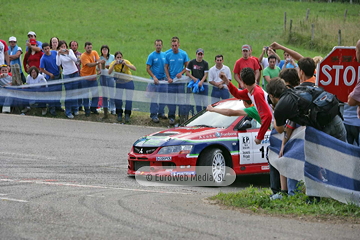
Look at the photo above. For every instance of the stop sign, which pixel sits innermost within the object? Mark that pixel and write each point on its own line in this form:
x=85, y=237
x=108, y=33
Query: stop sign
x=339, y=72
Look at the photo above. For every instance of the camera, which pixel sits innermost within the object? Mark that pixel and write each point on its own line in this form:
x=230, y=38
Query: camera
x=63, y=50
x=266, y=49
x=120, y=61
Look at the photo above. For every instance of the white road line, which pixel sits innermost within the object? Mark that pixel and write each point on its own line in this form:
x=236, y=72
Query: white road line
x=88, y=186
x=22, y=155
x=13, y=200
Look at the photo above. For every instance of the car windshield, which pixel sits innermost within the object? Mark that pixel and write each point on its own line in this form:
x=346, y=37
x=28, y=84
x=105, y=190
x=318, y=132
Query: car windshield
x=216, y=120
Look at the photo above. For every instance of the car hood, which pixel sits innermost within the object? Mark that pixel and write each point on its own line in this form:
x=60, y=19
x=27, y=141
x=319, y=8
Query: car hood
x=178, y=135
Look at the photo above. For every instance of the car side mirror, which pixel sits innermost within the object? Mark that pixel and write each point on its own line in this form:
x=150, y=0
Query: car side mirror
x=245, y=125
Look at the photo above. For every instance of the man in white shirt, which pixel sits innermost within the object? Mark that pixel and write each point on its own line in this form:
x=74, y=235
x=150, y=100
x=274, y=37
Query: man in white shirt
x=220, y=90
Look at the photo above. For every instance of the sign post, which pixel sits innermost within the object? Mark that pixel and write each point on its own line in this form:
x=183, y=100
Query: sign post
x=339, y=72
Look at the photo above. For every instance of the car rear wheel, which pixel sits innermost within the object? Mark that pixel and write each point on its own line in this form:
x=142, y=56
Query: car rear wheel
x=214, y=160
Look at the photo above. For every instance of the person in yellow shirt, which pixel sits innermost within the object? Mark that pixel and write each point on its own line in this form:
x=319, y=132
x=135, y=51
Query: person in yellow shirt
x=90, y=60
x=123, y=83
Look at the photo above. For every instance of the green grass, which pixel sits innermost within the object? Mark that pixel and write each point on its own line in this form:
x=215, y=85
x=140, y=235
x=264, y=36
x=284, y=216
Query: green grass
x=257, y=200
x=220, y=27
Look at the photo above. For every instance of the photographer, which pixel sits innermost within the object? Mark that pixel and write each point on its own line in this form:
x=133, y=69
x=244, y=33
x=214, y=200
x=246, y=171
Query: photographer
x=121, y=65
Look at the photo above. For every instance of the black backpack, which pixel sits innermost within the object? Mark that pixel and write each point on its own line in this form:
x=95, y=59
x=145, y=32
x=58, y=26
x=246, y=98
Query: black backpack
x=316, y=107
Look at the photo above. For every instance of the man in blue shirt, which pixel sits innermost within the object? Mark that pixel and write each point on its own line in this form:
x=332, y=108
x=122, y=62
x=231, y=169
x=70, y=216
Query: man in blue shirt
x=175, y=66
x=52, y=71
x=155, y=68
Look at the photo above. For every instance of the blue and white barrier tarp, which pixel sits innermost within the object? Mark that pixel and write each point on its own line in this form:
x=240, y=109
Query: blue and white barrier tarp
x=328, y=166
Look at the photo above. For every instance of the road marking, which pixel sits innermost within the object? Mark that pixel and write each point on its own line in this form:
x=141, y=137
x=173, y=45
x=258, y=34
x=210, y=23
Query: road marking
x=21, y=155
x=13, y=199
x=88, y=186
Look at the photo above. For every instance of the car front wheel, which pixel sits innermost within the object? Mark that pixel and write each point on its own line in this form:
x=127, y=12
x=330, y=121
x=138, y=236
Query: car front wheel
x=214, y=161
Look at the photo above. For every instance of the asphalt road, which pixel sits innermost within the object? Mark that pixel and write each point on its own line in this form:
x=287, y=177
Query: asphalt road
x=66, y=179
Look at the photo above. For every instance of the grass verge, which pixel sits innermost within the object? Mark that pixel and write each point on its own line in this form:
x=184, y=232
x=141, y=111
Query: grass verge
x=256, y=200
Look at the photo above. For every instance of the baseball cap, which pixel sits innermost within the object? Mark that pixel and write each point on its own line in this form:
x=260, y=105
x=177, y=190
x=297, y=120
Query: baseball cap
x=33, y=41
x=199, y=50
x=246, y=47
x=31, y=33
x=12, y=39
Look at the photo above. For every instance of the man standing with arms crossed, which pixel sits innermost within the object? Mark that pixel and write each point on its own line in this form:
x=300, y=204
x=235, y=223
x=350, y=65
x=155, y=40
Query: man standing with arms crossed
x=175, y=66
x=220, y=89
x=155, y=68
x=89, y=61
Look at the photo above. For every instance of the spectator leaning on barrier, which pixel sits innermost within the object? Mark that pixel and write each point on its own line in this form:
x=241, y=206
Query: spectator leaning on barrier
x=15, y=55
x=257, y=96
x=220, y=89
x=155, y=68
x=197, y=69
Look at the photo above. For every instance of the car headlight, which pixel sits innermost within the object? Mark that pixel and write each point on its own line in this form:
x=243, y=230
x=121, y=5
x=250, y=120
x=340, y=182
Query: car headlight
x=179, y=149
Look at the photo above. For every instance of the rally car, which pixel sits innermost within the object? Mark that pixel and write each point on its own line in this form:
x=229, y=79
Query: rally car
x=207, y=139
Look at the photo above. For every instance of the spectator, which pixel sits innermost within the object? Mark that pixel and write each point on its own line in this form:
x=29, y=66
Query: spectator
x=220, y=89
x=354, y=96
x=52, y=71
x=34, y=47
x=4, y=55
x=197, y=69
x=352, y=125
x=270, y=71
x=107, y=82
x=155, y=68
x=90, y=60
x=249, y=110
x=32, y=57
x=54, y=43
x=245, y=62
x=265, y=61
x=286, y=107
x=254, y=93
x=124, y=66
x=175, y=66
x=74, y=46
x=5, y=80
x=15, y=55
x=35, y=77
x=66, y=58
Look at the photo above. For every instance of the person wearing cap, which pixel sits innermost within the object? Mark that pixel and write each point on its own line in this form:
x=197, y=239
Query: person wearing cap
x=198, y=69
x=32, y=57
x=175, y=66
x=37, y=47
x=4, y=55
x=245, y=62
x=15, y=55
x=220, y=89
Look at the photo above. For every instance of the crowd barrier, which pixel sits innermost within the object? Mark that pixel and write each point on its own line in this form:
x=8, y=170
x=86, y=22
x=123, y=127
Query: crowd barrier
x=143, y=93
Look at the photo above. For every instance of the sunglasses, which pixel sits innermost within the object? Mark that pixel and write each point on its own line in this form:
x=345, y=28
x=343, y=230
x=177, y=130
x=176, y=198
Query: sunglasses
x=4, y=65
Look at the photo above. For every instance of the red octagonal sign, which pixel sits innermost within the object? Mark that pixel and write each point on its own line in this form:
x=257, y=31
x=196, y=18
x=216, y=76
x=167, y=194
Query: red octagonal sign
x=339, y=72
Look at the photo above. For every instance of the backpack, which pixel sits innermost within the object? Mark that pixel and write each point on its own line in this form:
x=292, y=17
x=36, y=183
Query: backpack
x=317, y=107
